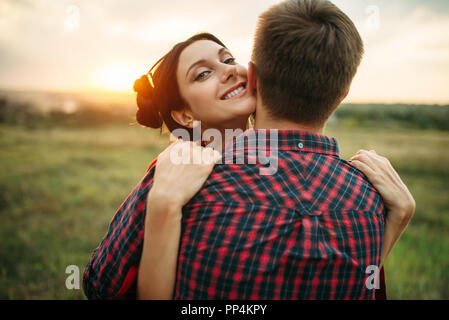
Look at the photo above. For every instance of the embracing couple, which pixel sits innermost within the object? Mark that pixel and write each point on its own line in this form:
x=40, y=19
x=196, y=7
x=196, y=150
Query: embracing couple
x=315, y=228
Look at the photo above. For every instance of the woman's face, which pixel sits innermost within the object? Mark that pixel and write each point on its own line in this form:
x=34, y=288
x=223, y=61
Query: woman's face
x=214, y=86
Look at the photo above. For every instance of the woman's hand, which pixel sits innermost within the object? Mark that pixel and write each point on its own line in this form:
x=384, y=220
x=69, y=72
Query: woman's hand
x=381, y=174
x=395, y=194
x=181, y=171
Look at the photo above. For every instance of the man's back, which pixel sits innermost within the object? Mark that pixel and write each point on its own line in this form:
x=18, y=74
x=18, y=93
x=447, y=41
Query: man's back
x=308, y=231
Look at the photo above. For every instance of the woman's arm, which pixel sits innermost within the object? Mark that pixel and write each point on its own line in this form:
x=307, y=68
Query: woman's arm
x=393, y=231
x=157, y=269
x=111, y=272
x=175, y=183
x=397, y=198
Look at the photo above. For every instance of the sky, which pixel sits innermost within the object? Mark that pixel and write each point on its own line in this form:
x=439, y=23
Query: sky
x=85, y=45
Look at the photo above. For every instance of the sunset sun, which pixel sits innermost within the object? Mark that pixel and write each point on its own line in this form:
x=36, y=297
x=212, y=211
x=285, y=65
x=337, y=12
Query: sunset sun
x=117, y=77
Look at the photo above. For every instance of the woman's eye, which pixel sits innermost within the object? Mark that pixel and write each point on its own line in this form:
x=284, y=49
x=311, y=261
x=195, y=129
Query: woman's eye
x=202, y=75
x=229, y=60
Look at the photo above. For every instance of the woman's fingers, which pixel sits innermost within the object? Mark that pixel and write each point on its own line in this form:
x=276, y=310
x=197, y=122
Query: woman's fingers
x=383, y=166
x=181, y=170
x=380, y=165
x=385, y=179
x=366, y=157
x=210, y=156
x=190, y=153
x=361, y=166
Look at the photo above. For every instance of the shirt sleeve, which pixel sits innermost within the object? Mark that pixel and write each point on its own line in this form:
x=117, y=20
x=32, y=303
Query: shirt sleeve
x=111, y=272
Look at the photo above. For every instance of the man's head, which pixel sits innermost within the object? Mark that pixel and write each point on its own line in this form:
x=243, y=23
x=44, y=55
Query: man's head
x=306, y=54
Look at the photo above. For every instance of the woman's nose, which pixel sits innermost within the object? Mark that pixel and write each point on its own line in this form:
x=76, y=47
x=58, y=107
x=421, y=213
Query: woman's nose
x=230, y=71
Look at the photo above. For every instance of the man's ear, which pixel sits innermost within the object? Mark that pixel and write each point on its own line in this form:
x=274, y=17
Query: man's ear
x=184, y=117
x=252, y=78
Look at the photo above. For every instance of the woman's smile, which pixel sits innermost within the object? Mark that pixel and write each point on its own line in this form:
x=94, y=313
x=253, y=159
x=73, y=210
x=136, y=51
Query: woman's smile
x=236, y=91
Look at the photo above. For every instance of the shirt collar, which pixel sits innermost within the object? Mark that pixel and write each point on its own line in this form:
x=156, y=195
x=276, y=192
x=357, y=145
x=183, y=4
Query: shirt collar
x=291, y=140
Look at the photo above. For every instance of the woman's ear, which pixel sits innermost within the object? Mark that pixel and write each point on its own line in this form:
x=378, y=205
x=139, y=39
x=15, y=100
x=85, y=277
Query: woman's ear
x=184, y=117
x=252, y=78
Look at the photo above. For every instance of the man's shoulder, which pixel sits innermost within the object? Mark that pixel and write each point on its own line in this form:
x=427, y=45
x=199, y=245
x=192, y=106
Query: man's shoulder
x=359, y=185
x=348, y=185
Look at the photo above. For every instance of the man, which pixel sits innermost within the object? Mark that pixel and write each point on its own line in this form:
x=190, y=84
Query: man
x=313, y=228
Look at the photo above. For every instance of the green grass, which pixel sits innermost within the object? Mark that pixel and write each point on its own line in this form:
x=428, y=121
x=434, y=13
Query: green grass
x=59, y=188
x=58, y=191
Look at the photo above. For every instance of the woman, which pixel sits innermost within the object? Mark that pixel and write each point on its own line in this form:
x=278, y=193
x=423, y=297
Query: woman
x=187, y=90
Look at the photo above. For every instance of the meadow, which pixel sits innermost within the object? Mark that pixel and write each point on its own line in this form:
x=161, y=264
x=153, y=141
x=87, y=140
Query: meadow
x=60, y=186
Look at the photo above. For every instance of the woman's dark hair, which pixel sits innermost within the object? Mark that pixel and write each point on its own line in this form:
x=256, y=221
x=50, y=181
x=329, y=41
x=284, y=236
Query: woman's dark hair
x=155, y=102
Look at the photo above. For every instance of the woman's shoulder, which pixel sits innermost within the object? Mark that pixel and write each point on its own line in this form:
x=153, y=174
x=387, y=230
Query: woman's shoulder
x=147, y=178
x=152, y=165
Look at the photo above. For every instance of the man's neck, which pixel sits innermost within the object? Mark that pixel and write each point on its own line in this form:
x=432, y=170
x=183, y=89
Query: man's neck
x=264, y=121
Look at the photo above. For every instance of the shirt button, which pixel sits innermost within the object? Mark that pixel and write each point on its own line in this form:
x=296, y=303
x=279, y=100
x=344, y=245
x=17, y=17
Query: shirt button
x=300, y=145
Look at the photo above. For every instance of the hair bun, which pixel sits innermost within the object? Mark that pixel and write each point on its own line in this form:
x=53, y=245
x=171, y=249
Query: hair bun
x=143, y=86
x=147, y=113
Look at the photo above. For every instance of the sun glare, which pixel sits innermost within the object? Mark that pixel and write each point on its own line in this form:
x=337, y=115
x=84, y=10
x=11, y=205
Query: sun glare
x=115, y=78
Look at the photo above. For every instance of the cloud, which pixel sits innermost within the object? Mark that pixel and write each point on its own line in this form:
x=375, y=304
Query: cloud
x=407, y=56
x=406, y=60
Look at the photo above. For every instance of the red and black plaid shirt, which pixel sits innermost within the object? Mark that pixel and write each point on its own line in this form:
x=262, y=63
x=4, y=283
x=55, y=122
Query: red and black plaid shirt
x=307, y=231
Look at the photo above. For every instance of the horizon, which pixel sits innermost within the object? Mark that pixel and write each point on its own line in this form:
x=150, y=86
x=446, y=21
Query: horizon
x=85, y=47
x=120, y=95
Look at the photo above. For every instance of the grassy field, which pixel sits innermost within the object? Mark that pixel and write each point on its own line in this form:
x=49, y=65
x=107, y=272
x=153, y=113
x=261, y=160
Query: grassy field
x=59, y=188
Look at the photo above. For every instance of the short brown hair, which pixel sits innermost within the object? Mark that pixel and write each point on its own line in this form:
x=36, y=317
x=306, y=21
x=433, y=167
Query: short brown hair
x=306, y=53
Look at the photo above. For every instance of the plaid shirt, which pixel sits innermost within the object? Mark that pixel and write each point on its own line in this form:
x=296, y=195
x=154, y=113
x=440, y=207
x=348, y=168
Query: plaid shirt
x=307, y=231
